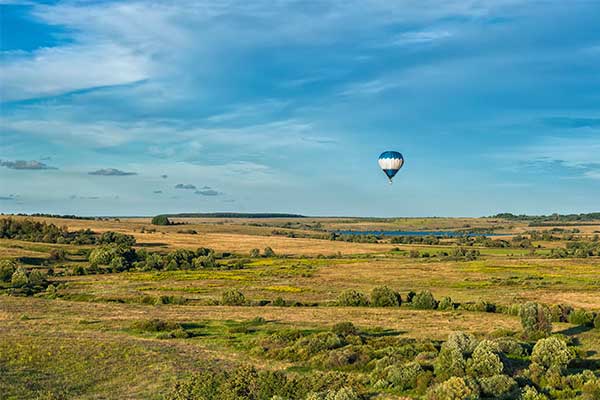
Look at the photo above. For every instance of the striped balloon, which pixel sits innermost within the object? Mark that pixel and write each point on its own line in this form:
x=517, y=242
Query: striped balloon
x=391, y=162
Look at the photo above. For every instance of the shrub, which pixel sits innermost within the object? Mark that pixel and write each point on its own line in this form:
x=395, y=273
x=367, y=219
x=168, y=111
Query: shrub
x=465, y=343
x=352, y=298
x=279, y=302
x=530, y=393
x=161, y=220
x=450, y=362
x=485, y=362
x=233, y=297
x=597, y=321
x=404, y=377
x=498, y=386
x=581, y=317
x=313, y=344
x=7, y=269
x=155, y=325
x=424, y=301
x=255, y=253
x=591, y=389
x=453, y=389
x=268, y=252
x=19, y=278
x=344, y=329
x=446, y=304
x=535, y=319
x=116, y=238
x=345, y=393
x=551, y=354
x=383, y=296
x=560, y=312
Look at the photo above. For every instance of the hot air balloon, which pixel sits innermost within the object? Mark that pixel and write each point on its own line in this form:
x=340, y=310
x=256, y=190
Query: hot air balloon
x=391, y=162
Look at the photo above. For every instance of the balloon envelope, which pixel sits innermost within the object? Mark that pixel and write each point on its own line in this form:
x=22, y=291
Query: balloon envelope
x=391, y=162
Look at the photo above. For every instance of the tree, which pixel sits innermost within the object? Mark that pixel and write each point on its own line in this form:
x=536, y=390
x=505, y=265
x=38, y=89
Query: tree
x=383, y=296
x=485, y=361
x=7, y=269
x=161, y=220
x=352, y=298
x=536, y=319
x=424, y=301
x=233, y=297
x=454, y=388
x=255, y=253
x=19, y=278
x=268, y=252
x=551, y=354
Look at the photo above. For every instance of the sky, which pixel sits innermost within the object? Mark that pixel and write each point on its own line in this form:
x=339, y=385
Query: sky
x=148, y=107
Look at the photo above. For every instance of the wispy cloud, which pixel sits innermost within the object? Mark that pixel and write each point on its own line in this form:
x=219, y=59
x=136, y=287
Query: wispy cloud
x=185, y=186
x=111, y=172
x=207, y=192
x=25, y=165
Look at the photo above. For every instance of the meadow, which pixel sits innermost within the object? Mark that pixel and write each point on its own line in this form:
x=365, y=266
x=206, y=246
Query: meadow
x=269, y=308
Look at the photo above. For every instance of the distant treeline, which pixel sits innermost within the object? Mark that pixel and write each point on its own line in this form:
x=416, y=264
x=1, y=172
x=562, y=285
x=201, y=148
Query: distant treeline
x=68, y=216
x=549, y=218
x=234, y=215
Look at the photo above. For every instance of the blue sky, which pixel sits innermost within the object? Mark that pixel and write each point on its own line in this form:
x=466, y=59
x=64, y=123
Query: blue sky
x=139, y=108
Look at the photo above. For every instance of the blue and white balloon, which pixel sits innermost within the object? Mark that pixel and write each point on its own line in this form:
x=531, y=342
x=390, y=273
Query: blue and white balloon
x=391, y=162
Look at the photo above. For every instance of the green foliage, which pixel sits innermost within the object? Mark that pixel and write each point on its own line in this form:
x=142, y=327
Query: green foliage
x=530, y=393
x=383, y=296
x=581, y=317
x=352, y=298
x=268, y=252
x=404, y=377
x=155, y=325
x=7, y=269
x=597, y=321
x=454, y=388
x=33, y=231
x=498, y=386
x=120, y=258
x=485, y=361
x=233, y=297
x=161, y=220
x=535, y=319
x=446, y=304
x=116, y=238
x=255, y=253
x=344, y=329
x=424, y=301
x=19, y=278
x=551, y=354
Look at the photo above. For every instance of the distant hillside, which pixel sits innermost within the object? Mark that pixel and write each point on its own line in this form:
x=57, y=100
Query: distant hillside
x=234, y=215
x=542, y=220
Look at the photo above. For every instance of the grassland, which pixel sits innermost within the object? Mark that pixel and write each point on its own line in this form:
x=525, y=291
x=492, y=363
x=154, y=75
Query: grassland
x=80, y=342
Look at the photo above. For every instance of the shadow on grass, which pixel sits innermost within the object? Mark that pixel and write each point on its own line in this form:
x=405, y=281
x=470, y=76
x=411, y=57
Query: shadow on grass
x=32, y=260
x=155, y=244
x=575, y=330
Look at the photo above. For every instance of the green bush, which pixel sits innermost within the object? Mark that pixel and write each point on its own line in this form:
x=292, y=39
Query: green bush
x=404, y=377
x=530, y=393
x=161, y=220
x=424, y=301
x=19, y=278
x=446, y=304
x=498, y=386
x=7, y=269
x=581, y=317
x=344, y=329
x=383, y=296
x=597, y=321
x=352, y=298
x=155, y=325
x=485, y=361
x=255, y=253
x=449, y=362
x=591, y=389
x=454, y=388
x=551, y=354
x=233, y=297
x=535, y=319
x=268, y=252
